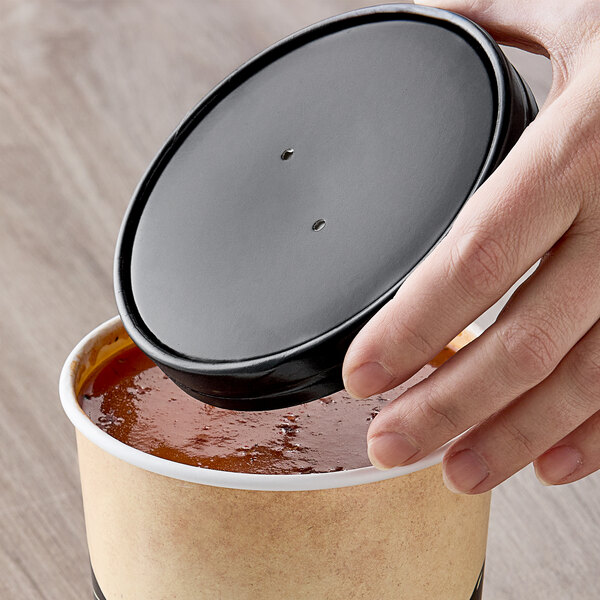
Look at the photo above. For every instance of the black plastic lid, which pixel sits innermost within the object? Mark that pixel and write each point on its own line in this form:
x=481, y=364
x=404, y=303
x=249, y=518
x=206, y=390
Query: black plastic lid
x=293, y=201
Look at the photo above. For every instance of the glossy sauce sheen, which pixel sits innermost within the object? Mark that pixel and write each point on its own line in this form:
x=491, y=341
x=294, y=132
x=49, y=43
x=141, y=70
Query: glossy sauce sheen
x=133, y=401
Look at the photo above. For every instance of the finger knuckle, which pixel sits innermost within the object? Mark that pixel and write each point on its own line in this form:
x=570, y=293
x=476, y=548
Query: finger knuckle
x=585, y=375
x=518, y=442
x=479, y=265
x=593, y=426
x=572, y=149
x=434, y=412
x=530, y=351
x=406, y=335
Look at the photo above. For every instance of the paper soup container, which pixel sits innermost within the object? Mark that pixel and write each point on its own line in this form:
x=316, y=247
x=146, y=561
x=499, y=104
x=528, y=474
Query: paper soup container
x=158, y=529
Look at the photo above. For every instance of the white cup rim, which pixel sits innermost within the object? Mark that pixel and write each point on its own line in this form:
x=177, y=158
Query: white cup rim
x=201, y=475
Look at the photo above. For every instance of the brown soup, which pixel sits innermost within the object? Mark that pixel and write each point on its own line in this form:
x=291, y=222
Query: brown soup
x=132, y=400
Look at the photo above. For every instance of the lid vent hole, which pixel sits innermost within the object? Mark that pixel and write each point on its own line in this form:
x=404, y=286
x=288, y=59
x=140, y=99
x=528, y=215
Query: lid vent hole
x=287, y=154
x=319, y=224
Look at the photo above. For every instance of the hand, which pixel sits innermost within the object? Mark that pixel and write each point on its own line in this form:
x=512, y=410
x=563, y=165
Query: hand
x=530, y=385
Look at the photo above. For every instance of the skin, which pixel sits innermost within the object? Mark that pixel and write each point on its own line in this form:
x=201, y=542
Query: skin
x=528, y=389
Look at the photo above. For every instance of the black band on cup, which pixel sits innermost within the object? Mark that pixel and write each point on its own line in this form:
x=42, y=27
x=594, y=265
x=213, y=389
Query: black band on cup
x=478, y=591
x=98, y=595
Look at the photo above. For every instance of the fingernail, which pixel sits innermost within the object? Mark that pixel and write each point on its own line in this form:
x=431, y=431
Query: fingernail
x=464, y=471
x=557, y=464
x=367, y=380
x=387, y=450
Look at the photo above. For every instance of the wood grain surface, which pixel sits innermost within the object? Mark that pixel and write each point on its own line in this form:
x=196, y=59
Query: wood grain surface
x=89, y=90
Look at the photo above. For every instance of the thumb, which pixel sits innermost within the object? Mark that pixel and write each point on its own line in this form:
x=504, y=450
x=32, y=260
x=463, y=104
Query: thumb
x=527, y=25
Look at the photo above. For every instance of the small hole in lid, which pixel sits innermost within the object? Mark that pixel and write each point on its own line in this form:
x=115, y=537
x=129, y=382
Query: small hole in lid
x=287, y=154
x=319, y=224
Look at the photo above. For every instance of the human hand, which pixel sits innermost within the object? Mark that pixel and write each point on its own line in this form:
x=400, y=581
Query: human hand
x=530, y=385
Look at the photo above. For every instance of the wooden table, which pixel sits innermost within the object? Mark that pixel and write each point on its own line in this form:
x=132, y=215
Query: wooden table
x=88, y=92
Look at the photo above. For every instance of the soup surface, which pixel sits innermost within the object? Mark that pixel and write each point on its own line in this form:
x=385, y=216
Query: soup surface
x=131, y=399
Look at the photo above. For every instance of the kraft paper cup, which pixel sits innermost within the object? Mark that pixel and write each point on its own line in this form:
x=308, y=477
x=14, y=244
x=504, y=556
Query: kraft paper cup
x=158, y=529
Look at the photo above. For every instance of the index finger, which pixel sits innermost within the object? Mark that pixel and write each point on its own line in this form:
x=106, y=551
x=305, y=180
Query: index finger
x=510, y=222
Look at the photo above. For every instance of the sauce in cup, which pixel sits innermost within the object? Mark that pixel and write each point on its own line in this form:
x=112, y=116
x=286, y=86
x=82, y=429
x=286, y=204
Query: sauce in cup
x=132, y=400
